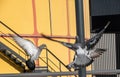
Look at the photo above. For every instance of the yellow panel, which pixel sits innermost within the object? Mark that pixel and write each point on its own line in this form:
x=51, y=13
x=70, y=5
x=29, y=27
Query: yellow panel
x=20, y=16
x=59, y=19
x=72, y=17
x=17, y=14
x=43, y=17
x=86, y=18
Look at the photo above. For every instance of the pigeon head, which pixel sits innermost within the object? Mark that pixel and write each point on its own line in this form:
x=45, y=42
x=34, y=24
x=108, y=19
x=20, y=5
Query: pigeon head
x=76, y=46
x=42, y=46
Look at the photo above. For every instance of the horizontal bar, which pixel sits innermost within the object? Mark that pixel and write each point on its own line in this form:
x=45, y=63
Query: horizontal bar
x=93, y=72
x=38, y=36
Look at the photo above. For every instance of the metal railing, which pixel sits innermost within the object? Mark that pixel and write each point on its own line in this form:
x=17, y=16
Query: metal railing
x=55, y=66
x=103, y=73
x=48, y=61
x=19, y=51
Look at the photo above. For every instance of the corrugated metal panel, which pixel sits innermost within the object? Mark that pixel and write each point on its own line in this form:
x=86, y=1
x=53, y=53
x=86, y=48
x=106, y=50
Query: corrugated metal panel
x=106, y=61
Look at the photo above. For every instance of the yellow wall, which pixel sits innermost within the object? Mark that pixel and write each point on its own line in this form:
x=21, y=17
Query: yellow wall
x=32, y=17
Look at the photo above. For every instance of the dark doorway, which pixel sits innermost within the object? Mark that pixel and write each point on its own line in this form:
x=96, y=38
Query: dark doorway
x=98, y=22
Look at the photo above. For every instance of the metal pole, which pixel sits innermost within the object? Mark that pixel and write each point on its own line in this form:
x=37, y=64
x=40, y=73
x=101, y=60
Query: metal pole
x=80, y=30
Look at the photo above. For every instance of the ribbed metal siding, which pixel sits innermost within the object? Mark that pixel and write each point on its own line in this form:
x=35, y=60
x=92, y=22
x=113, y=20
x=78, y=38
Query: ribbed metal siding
x=106, y=61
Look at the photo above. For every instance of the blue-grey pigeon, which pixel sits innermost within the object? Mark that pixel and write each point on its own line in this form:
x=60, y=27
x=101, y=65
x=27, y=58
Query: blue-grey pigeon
x=83, y=56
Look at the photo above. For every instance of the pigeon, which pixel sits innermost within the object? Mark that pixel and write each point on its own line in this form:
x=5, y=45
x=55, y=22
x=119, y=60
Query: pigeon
x=30, y=49
x=83, y=56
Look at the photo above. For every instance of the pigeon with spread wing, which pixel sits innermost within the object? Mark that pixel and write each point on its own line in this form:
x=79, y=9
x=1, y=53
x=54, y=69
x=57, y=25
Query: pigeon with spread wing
x=83, y=56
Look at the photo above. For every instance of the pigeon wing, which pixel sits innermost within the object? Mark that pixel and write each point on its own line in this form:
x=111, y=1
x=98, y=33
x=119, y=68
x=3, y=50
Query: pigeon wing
x=97, y=53
x=94, y=40
x=23, y=43
x=69, y=45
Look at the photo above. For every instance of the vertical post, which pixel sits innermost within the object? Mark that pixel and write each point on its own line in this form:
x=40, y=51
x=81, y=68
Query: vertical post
x=47, y=58
x=80, y=30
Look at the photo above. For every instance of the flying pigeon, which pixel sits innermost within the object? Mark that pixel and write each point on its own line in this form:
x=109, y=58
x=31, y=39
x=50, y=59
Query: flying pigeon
x=30, y=49
x=83, y=56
